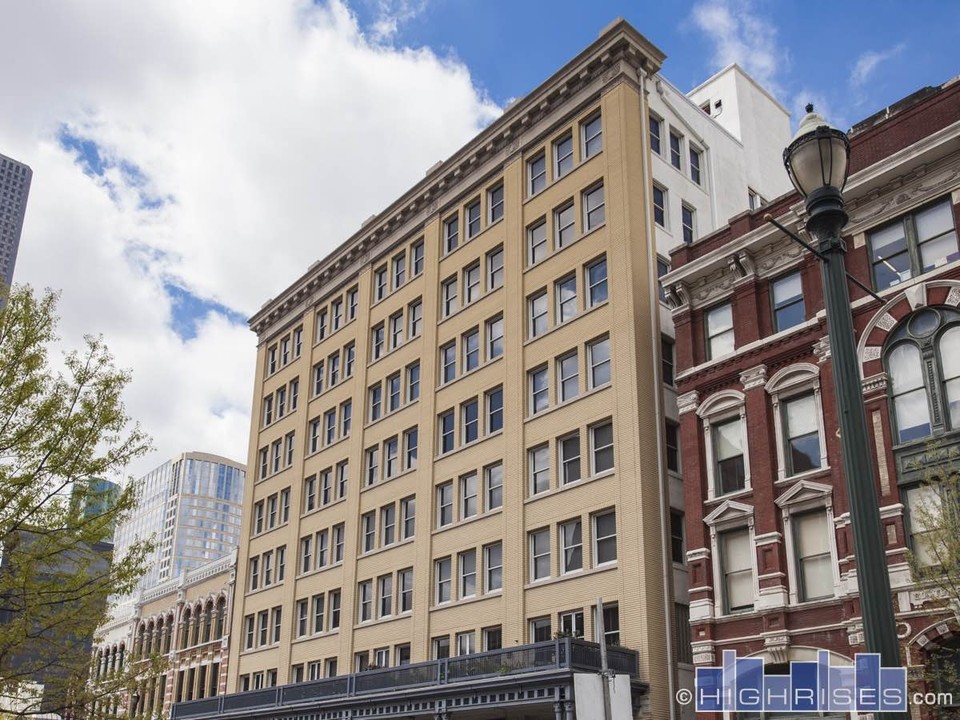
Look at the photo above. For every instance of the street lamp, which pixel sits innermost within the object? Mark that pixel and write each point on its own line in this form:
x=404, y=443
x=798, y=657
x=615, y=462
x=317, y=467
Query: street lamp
x=817, y=163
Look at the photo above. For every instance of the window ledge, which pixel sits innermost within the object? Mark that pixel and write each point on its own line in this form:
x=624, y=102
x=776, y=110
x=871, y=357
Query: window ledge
x=330, y=388
x=385, y=480
x=467, y=521
x=571, y=321
x=467, y=446
x=390, y=352
x=550, y=183
x=463, y=236
x=824, y=471
x=379, y=550
x=318, y=508
x=469, y=373
x=370, y=423
x=317, y=571
x=314, y=636
x=467, y=601
x=568, y=403
x=320, y=449
x=331, y=333
x=382, y=620
x=747, y=491
x=462, y=308
x=570, y=485
x=571, y=575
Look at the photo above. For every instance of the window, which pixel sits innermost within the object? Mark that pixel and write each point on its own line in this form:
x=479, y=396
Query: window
x=755, y=199
x=538, y=460
x=352, y=295
x=329, y=428
x=655, y=131
x=376, y=402
x=495, y=203
x=720, y=337
x=393, y=392
x=563, y=221
x=322, y=541
x=268, y=410
x=563, y=156
x=493, y=482
x=465, y=643
x=338, y=538
x=467, y=562
x=306, y=554
x=537, y=173
x=811, y=535
x=675, y=157
x=318, y=374
x=593, y=208
x=598, y=354
x=445, y=504
x=592, y=136
x=569, y=450
x=410, y=440
x=446, y=431
x=468, y=496
x=451, y=234
x=321, y=324
x=318, y=607
x=493, y=564
x=349, y=353
x=346, y=417
x=908, y=391
x=373, y=464
x=281, y=562
x=448, y=362
x=302, y=614
x=365, y=593
x=571, y=546
x=788, y=306
x=566, y=292
x=537, y=305
x=540, y=630
x=672, y=434
x=413, y=382
x=695, y=158
x=379, y=285
x=378, y=335
x=448, y=293
x=611, y=624
x=310, y=493
x=405, y=583
x=473, y=219
x=540, y=554
x=729, y=469
x=471, y=350
x=597, y=282
x=471, y=284
x=495, y=269
x=568, y=377
x=333, y=362
x=659, y=206
x=368, y=531
x=385, y=596
x=736, y=566
x=494, y=328
x=408, y=516
x=923, y=509
x=687, y=216
x=441, y=572
x=666, y=359
x=470, y=419
x=441, y=647
x=391, y=457
x=539, y=390
x=494, y=405
x=571, y=623
x=294, y=394
x=537, y=242
x=801, y=432
x=254, y=573
x=399, y=270
x=396, y=331
x=492, y=638
x=913, y=244
x=677, y=551
x=334, y=624
x=416, y=258
x=604, y=538
x=601, y=440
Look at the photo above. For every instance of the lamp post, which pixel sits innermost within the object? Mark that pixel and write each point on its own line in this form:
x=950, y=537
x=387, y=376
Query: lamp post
x=816, y=161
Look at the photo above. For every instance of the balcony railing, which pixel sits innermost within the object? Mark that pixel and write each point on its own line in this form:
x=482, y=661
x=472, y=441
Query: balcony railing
x=569, y=654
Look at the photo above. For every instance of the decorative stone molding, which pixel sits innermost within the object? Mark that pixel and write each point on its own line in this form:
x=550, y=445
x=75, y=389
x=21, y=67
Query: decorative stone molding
x=871, y=352
x=777, y=648
x=688, y=402
x=916, y=295
x=775, y=257
x=698, y=554
x=953, y=297
x=769, y=538
x=874, y=383
x=754, y=377
x=821, y=348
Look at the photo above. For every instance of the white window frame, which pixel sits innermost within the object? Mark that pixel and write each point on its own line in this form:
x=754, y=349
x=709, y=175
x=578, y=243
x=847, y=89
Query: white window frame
x=803, y=497
x=732, y=515
x=720, y=407
x=786, y=384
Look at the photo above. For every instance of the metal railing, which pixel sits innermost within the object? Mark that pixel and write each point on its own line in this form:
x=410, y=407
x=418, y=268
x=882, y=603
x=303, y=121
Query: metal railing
x=561, y=654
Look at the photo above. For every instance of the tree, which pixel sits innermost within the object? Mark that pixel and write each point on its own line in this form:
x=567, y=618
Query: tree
x=62, y=426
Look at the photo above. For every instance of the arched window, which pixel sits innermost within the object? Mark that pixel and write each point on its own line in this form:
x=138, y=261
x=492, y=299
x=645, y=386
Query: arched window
x=221, y=613
x=185, y=637
x=207, y=619
x=922, y=360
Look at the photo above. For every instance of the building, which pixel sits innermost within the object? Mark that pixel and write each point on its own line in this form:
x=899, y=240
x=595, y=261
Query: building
x=186, y=622
x=15, y=180
x=769, y=542
x=458, y=445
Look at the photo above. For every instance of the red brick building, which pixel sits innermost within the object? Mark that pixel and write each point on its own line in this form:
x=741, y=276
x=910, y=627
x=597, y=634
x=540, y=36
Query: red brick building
x=768, y=536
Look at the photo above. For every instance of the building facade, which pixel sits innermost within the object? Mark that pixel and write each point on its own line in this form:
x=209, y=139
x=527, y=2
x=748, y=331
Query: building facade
x=768, y=534
x=458, y=444
x=15, y=178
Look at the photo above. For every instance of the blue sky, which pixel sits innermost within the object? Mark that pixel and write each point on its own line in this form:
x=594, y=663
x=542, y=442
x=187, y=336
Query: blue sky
x=192, y=159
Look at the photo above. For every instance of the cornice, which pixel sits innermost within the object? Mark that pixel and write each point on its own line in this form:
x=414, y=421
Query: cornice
x=620, y=51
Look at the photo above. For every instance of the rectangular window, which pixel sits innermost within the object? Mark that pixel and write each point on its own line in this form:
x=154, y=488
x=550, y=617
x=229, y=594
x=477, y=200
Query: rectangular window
x=539, y=390
x=323, y=546
x=365, y=594
x=336, y=312
x=538, y=460
x=788, y=306
x=318, y=375
x=736, y=566
x=368, y=530
x=814, y=561
x=676, y=159
x=569, y=450
x=494, y=407
x=604, y=538
x=303, y=610
x=441, y=647
x=493, y=483
x=379, y=285
x=329, y=427
x=598, y=354
x=373, y=465
x=563, y=221
x=321, y=324
x=405, y=582
x=568, y=377
x=677, y=550
x=413, y=382
x=467, y=563
x=659, y=206
x=377, y=342
x=446, y=432
x=571, y=546
x=294, y=394
x=346, y=418
x=494, y=329
x=416, y=258
x=318, y=608
x=914, y=244
x=592, y=136
x=393, y=392
x=537, y=242
x=441, y=573
x=470, y=420
x=601, y=442
x=571, y=623
x=468, y=496
x=593, y=209
x=281, y=562
x=391, y=457
x=924, y=508
x=268, y=410
x=495, y=203
x=333, y=363
x=563, y=156
x=396, y=331
x=334, y=603
x=471, y=350
x=349, y=354
x=537, y=307
x=445, y=504
x=466, y=643
x=695, y=172
x=326, y=486
x=410, y=440
x=451, y=234
x=720, y=336
x=310, y=493
x=540, y=554
x=415, y=315
x=597, y=282
x=254, y=573
x=388, y=524
x=448, y=362
x=687, y=216
x=385, y=596
x=338, y=540
x=728, y=456
x=448, y=295
x=666, y=359
x=611, y=624
x=399, y=270
x=471, y=284
x=540, y=630
x=672, y=435
x=655, y=132
x=472, y=219
x=537, y=173
x=801, y=433
x=493, y=567
x=288, y=450
x=566, y=298
x=306, y=554
x=408, y=517
x=495, y=269
x=375, y=393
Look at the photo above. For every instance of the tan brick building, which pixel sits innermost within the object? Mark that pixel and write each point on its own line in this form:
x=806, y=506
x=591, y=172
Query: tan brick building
x=458, y=437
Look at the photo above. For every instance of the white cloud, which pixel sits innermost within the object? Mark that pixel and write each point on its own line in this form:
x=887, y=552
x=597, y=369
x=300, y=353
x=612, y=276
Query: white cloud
x=743, y=36
x=867, y=62
x=274, y=127
x=391, y=14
